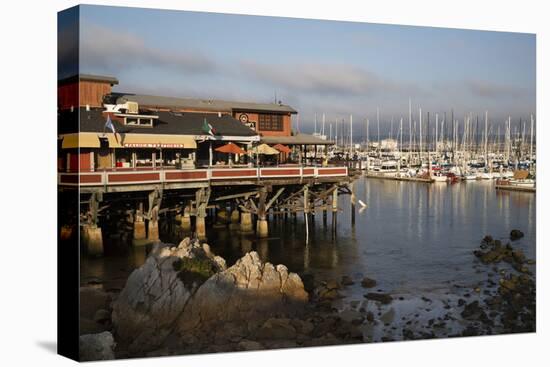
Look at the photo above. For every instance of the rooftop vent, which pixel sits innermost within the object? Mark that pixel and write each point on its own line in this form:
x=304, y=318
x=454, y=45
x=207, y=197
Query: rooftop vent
x=132, y=107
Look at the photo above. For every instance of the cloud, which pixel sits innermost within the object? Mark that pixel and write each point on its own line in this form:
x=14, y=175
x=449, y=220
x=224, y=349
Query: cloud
x=108, y=49
x=487, y=89
x=325, y=79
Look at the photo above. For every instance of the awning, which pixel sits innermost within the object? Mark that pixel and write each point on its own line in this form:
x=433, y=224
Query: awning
x=156, y=141
x=230, y=148
x=114, y=142
x=265, y=149
x=282, y=148
x=80, y=140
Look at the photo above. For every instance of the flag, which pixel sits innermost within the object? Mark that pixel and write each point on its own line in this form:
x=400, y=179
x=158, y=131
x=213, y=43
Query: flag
x=109, y=125
x=207, y=128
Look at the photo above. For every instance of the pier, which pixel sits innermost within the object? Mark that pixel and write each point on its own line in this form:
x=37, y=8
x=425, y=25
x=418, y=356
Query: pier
x=134, y=159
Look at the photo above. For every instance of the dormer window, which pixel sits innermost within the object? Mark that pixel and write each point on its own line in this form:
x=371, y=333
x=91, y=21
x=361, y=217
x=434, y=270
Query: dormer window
x=138, y=121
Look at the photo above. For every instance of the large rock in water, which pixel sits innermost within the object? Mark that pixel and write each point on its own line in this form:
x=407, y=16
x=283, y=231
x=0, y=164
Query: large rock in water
x=96, y=347
x=186, y=290
x=249, y=291
x=156, y=294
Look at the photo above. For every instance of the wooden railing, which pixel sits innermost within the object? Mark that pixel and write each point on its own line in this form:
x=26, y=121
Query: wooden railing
x=138, y=177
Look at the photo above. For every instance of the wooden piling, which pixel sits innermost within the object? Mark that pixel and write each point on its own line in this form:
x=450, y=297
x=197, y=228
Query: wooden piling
x=261, y=224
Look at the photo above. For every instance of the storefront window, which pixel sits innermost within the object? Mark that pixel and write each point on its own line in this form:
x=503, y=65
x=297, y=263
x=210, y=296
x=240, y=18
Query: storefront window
x=177, y=158
x=144, y=158
x=123, y=158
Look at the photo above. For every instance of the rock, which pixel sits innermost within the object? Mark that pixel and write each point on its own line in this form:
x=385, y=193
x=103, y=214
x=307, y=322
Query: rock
x=518, y=256
x=303, y=326
x=101, y=316
x=516, y=234
x=379, y=297
x=309, y=281
x=387, y=318
x=368, y=282
x=473, y=311
x=408, y=334
x=87, y=326
x=370, y=316
x=327, y=291
x=326, y=339
x=351, y=316
x=96, y=347
x=91, y=300
x=281, y=344
x=276, y=329
x=156, y=294
x=348, y=330
x=248, y=290
x=346, y=280
x=250, y=345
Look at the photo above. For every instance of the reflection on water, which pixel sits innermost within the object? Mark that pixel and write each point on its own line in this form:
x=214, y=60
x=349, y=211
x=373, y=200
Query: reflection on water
x=412, y=237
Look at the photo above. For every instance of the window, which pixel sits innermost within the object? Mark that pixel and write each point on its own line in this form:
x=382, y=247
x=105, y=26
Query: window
x=144, y=158
x=141, y=121
x=270, y=122
x=123, y=158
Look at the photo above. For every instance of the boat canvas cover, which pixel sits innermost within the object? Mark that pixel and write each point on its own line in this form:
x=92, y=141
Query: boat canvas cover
x=520, y=174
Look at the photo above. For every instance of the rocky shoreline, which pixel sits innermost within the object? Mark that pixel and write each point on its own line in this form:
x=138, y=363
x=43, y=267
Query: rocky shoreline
x=185, y=300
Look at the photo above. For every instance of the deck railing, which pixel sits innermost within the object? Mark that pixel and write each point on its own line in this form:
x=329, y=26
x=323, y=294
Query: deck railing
x=138, y=177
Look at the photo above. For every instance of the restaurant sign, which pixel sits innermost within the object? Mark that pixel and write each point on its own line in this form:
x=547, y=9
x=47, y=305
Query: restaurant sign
x=153, y=145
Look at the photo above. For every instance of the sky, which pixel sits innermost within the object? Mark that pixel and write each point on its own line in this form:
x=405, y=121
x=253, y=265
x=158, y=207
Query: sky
x=317, y=66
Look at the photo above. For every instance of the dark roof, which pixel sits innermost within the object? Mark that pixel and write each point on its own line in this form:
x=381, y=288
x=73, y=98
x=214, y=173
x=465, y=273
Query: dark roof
x=89, y=77
x=185, y=123
x=298, y=139
x=200, y=104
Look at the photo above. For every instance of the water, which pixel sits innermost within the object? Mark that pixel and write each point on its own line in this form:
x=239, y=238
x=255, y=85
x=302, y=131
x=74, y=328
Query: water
x=412, y=238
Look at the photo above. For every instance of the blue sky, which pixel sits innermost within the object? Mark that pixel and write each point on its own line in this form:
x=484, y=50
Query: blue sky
x=317, y=66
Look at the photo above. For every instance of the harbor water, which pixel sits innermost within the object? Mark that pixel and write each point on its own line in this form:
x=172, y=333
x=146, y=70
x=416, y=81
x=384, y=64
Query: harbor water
x=411, y=238
x=415, y=239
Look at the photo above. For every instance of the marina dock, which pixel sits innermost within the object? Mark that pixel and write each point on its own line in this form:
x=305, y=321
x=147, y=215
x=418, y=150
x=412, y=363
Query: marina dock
x=516, y=188
x=396, y=178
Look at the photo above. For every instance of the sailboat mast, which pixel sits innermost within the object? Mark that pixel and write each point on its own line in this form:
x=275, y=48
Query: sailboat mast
x=315, y=124
x=400, y=136
x=410, y=133
x=351, y=134
x=453, y=135
x=485, y=141
x=436, y=136
x=336, y=132
x=420, y=135
x=531, y=139
x=378, y=128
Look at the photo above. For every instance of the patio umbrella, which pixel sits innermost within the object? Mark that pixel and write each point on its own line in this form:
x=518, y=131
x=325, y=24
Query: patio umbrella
x=282, y=148
x=265, y=149
x=230, y=148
